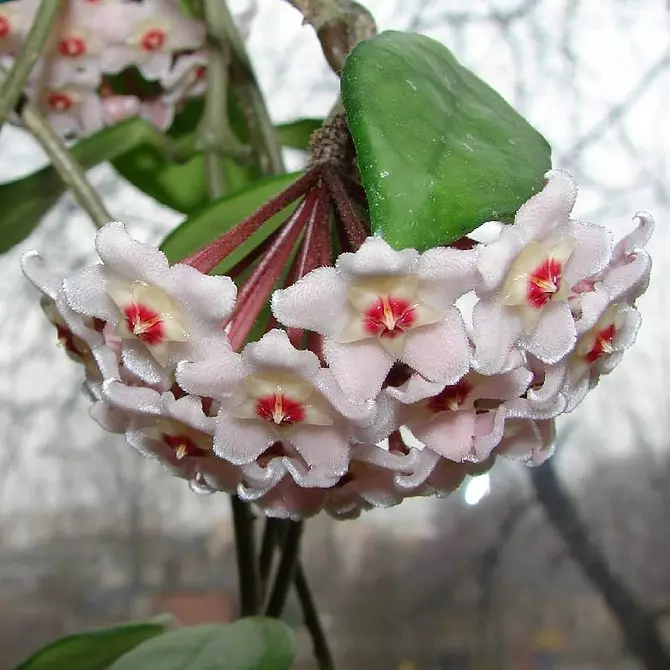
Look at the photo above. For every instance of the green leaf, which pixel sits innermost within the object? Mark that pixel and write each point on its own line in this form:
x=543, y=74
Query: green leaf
x=25, y=201
x=439, y=151
x=215, y=218
x=256, y=643
x=183, y=186
x=93, y=650
x=296, y=134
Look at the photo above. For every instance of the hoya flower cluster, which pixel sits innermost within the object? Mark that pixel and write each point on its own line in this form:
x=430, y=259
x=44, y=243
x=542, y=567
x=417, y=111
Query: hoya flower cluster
x=108, y=60
x=392, y=373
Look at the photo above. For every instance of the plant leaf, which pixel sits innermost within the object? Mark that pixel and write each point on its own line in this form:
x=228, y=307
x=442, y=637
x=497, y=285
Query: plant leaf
x=215, y=218
x=439, y=151
x=93, y=650
x=25, y=201
x=296, y=134
x=255, y=643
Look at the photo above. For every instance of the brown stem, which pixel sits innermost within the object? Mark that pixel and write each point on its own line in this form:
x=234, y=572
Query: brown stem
x=354, y=229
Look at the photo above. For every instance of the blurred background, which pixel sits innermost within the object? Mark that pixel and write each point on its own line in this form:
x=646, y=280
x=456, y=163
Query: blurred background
x=90, y=533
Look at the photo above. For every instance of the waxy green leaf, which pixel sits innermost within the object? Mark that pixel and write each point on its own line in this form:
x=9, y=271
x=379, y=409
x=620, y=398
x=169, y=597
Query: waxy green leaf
x=215, y=218
x=439, y=151
x=93, y=650
x=255, y=643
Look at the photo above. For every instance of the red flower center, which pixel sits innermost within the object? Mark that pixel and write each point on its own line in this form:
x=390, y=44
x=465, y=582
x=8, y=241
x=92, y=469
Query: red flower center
x=60, y=102
x=280, y=409
x=153, y=39
x=144, y=323
x=389, y=317
x=200, y=72
x=182, y=446
x=72, y=47
x=450, y=399
x=5, y=27
x=544, y=282
x=602, y=345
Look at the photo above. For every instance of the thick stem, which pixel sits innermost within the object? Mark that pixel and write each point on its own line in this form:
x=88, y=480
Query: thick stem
x=214, y=128
x=312, y=622
x=33, y=47
x=263, y=135
x=286, y=570
x=246, y=556
x=271, y=536
x=67, y=166
x=354, y=229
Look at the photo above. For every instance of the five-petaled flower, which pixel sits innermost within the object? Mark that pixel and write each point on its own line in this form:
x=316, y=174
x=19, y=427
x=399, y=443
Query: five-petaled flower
x=378, y=306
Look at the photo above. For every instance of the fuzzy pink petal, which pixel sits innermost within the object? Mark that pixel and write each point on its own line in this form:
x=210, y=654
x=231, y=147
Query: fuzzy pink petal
x=575, y=392
x=446, y=274
x=211, y=298
x=127, y=257
x=415, y=389
x=362, y=414
x=489, y=429
x=111, y=419
x=638, y=238
x=215, y=377
x=591, y=254
x=218, y=474
x=628, y=279
x=495, y=259
x=138, y=360
x=547, y=396
x=450, y=434
x=36, y=271
x=188, y=410
x=548, y=209
x=317, y=302
x=323, y=447
x=591, y=306
x=555, y=334
x=241, y=441
x=85, y=293
x=276, y=351
x=136, y=399
x=289, y=501
x=521, y=438
x=440, y=352
x=505, y=386
x=423, y=466
x=258, y=480
x=359, y=367
x=496, y=329
x=376, y=257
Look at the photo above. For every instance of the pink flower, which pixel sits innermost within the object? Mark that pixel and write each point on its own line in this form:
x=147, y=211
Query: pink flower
x=149, y=34
x=527, y=276
x=272, y=393
x=162, y=313
x=176, y=432
x=532, y=442
x=463, y=421
x=378, y=306
x=287, y=500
